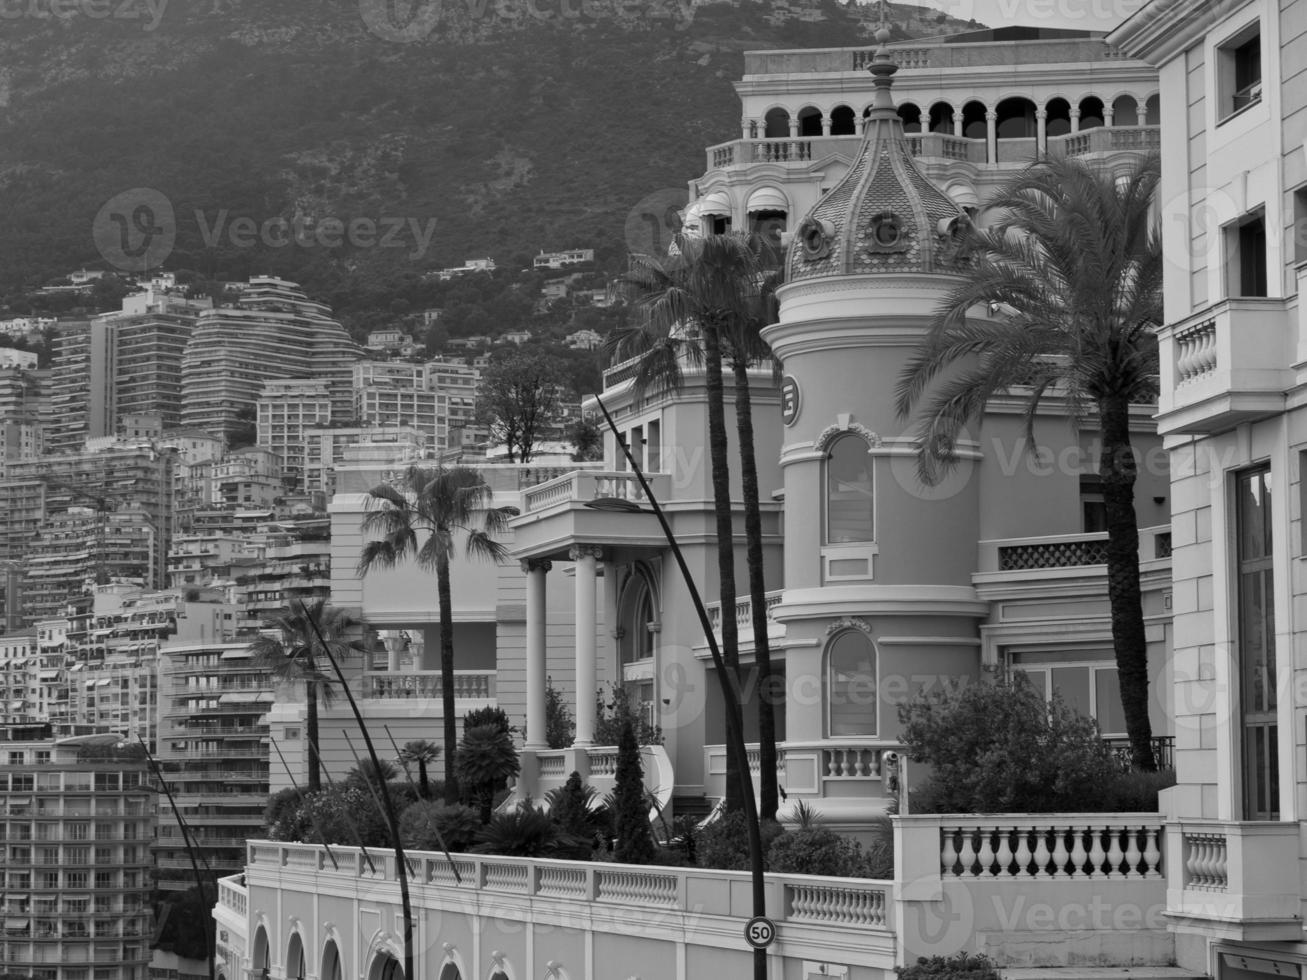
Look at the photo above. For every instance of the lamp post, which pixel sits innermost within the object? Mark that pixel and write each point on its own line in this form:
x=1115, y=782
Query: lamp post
x=730, y=684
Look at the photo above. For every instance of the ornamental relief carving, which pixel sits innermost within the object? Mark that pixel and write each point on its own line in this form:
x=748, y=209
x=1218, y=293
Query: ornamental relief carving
x=828, y=434
x=849, y=623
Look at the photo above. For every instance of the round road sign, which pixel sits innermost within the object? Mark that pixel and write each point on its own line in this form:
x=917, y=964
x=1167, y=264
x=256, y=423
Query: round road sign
x=760, y=932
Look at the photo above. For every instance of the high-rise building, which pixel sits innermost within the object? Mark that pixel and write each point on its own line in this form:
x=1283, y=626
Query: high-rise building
x=77, y=817
x=70, y=388
x=274, y=333
x=286, y=409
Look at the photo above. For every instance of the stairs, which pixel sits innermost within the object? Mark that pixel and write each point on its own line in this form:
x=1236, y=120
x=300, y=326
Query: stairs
x=697, y=807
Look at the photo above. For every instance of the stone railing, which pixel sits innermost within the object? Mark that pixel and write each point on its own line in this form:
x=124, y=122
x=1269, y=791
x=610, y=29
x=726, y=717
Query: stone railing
x=1056, y=846
x=807, y=768
x=743, y=610
x=468, y=684
x=859, y=903
x=587, y=486
x=232, y=895
x=1065, y=550
x=1230, y=362
x=1236, y=873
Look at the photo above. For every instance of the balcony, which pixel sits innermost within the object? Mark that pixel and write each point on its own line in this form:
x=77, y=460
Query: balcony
x=586, y=507
x=744, y=621
x=469, y=685
x=1229, y=364
x=1234, y=880
x=799, y=152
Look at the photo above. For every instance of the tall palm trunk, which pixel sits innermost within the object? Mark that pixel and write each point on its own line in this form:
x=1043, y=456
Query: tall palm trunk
x=311, y=735
x=447, y=676
x=768, y=796
x=424, y=784
x=1117, y=470
x=737, y=769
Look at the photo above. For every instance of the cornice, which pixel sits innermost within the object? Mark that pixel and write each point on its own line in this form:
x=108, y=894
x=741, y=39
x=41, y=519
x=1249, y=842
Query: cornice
x=1161, y=30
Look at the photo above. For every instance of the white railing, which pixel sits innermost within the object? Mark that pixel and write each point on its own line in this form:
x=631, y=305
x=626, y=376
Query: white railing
x=468, y=684
x=233, y=896
x=1205, y=860
x=744, y=610
x=585, y=486
x=704, y=892
x=1195, y=352
x=1035, y=847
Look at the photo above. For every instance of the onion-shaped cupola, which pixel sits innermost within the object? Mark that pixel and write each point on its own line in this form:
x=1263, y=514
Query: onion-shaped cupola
x=885, y=215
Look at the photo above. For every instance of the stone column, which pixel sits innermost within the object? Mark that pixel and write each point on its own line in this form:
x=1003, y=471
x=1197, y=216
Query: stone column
x=744, y=128
x=1041, y=131
x=586, y=558
x=794, y=127
x=957, y=122
x=991, y=136
x=1108, y=113
x=825, y=125
x=1075, y=119
x=535, y=570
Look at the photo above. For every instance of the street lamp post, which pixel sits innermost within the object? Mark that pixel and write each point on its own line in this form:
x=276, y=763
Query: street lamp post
x=730, y=684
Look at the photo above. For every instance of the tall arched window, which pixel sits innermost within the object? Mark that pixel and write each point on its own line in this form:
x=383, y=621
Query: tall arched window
x=851, y=685
x=850, y=492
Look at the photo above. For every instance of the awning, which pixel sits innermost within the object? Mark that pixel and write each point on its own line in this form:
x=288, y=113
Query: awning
x=266, y=698
x=236, y=655
x=17, y=923
x=767, y=199
x=102, y=683
x=715, y=203
x=16, y=705
x=237, y=699
x=48, y=675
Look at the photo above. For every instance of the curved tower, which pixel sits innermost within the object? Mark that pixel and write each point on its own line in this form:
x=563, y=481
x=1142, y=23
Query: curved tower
x=878, y=600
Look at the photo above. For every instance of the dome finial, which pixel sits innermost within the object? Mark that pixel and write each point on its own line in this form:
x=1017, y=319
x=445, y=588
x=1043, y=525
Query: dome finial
x=882, y=67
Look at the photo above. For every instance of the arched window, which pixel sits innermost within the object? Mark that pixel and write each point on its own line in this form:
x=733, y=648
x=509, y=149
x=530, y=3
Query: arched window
x=851, y=685
x=850, y=492
x=450, y=972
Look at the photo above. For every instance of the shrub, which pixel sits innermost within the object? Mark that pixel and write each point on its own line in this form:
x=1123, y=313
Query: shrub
x=815, y=851
x=425, y=823
x=525, y=832
x=1135, y=791
x=342, y=814
x=279, y=814
x=490, y=715
x=485, y=760
x=1000, y=747
x=635, y=844
x=560, y=727
x=572, y=807
x=724, y=843
x=959, y=966
x=611, y=715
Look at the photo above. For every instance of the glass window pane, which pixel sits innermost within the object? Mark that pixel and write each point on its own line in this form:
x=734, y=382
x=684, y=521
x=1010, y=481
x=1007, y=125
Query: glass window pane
x=850, y=493
x=1073, y=684
x=851, y=685
x=1107, y=698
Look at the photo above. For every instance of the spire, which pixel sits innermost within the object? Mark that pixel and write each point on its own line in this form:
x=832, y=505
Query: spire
x=882, y=69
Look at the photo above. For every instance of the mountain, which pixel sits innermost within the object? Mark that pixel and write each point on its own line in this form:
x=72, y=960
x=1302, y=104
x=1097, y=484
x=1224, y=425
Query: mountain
x=433, y=130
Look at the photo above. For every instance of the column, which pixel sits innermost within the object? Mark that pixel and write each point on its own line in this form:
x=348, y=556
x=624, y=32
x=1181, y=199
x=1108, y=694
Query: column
x=535, y=570
x=394, y=644
x=794, y=127
x=586, y=558
x=991, y=136
x=1075, y=119
x=1041, y=131
x=825, y=125
x=1108, y=113
x=744, y=128
x=957, y=123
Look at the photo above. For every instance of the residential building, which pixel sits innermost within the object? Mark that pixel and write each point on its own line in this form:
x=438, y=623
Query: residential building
x=585, y=339
x=469, y=266
x=12, y=358
x=1233, y=197
x=213, y=702
x=70, y=388
x=19, y=677
x=386, y=338
x=286, y=410
x=560, y=260
x=77, y=817
x=327, y=449
x=274, y=333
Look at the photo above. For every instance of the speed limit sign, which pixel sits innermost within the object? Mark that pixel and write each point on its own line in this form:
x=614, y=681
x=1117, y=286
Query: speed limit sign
x=760, y=932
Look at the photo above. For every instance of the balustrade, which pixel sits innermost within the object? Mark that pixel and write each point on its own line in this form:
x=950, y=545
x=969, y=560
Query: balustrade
x=1195, y=352
x=636, y=888
x=1031, y=848
x=472, y=684
x=1205, y=860
x=837, y=905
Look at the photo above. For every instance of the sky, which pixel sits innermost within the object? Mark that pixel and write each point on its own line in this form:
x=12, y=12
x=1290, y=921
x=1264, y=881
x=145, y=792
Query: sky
x=1091, y=15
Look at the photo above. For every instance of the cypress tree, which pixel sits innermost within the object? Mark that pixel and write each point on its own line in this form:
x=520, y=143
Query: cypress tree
x=635, y=843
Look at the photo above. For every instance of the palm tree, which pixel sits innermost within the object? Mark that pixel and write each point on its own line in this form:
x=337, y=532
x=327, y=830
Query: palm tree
x=421, y=752
x=442, y=504
x=293, y=656
x=1075, y=264
x=709, y=285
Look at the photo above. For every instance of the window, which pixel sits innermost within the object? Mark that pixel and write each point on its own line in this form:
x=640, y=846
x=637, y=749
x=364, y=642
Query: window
x=1245, y=249
x=1093, y=507
x=1300, y=225
x=1256, y=634
x=1239, y=71
x=850, y=492
x=851, y=685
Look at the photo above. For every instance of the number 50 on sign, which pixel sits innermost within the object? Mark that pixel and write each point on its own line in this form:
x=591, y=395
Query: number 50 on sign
x=759, y=932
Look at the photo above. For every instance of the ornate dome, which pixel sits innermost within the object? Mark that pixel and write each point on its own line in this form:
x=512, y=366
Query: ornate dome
x=885, y=215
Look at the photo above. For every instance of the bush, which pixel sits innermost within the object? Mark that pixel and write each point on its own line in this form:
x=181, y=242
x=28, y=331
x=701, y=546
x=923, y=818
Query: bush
x=491, y=715
x=1136, y=792
x=279, y=814
x=635, y=844
x=526, y=832
x=724, y=843
x=815, y=851
x=959, y=966
x=458, y=825
x=485, y=760
x=572, y=807
x=342, y=814
x=610, y=716
x=560, y=728
x=1000, y=747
